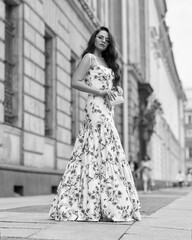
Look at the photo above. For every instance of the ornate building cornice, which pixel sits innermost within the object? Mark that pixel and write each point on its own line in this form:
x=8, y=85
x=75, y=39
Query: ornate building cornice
x=135, y=70
x=163, y=46
x=85, y=13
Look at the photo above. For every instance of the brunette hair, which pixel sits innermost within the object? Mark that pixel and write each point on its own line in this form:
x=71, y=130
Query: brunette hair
x=110, y=54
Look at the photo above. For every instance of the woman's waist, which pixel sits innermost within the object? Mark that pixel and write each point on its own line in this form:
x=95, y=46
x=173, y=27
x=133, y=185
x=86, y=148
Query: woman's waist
x=99, y=102
x=99, y=83
x=94, y=97
x=95, y=100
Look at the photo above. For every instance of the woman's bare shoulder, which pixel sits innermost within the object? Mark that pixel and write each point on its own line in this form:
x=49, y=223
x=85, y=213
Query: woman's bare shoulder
x=89, y=59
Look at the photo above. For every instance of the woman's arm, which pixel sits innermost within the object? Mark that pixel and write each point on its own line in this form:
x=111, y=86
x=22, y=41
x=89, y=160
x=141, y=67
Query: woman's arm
x=79, y=75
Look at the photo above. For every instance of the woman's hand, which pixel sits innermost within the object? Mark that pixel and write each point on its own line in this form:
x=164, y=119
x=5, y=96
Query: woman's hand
x=108, y=93
x=120, y=91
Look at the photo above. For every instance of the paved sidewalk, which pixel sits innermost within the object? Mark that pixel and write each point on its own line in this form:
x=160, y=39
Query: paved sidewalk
x=166, y=215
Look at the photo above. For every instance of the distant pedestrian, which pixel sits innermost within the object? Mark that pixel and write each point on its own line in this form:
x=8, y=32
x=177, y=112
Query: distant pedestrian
x=146, y=174
x=98, y=182
x=189, y=179
x=180, y=179
x=131, y=164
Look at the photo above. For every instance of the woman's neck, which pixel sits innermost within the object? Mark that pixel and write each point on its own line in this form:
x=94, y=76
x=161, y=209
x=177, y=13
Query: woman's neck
x=98, y=54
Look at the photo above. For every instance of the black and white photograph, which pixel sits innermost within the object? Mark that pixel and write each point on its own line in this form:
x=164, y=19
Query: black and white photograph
x=95, y=119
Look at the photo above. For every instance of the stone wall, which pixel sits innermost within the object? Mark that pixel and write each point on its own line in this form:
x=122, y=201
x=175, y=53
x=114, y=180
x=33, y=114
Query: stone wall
x=27, y=154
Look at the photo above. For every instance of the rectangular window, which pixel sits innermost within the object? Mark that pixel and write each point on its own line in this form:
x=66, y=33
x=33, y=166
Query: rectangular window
x=190, y=152
x=13, y=84
x=185, y=119
x=186, y=153
x=142, y=17
x=74, y=104
x=49, y=83
x=189, y=119
x=189, y=133
x=9, y=37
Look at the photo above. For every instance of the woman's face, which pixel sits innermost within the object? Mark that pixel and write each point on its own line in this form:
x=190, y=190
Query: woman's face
x=102, y=40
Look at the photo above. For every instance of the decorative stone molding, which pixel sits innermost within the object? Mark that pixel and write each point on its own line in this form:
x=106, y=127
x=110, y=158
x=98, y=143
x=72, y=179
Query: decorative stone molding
x=155, y=42
x=88, y=18
x=89, y=12
x=135, y=70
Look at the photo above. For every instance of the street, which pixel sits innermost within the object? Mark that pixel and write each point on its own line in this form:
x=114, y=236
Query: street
x=166, y=214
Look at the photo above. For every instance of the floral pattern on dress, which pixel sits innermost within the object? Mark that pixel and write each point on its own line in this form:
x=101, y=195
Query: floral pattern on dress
x=97, y=182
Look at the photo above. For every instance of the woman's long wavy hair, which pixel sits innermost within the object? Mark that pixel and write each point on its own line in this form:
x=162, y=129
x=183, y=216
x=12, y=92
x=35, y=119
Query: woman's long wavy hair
x=110, y=54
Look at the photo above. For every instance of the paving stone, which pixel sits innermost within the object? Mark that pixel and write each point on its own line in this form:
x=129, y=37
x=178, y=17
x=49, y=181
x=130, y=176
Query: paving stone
x=18, y=233
x=172, y=214
x=178, y=223
x=26, y=217
x=29, y=209
x=23, y=225
x=156, y=233
x=83, y=231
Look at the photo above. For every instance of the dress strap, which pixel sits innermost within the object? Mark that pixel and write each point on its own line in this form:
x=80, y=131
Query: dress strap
x=90, y=59
x=91, y=56
x=94, y=58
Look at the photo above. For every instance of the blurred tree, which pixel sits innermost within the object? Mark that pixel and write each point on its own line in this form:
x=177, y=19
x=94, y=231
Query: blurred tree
x=145, y=122
x=147, y=118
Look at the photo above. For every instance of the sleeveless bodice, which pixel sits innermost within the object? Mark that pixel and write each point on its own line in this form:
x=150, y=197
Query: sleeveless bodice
x=100, y=77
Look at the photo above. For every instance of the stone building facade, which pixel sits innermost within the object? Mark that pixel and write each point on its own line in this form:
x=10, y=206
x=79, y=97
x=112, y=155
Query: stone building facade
x=167, y=143
x=188, y=131
x=41, y=43
x=40, y=114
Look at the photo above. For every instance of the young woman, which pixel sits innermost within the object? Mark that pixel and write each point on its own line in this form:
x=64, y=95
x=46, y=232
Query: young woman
x=97, y=183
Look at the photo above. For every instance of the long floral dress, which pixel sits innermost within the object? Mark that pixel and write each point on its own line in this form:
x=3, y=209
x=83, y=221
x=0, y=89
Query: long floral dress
x=97, y=182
